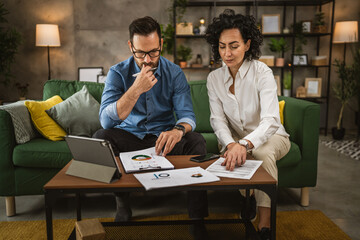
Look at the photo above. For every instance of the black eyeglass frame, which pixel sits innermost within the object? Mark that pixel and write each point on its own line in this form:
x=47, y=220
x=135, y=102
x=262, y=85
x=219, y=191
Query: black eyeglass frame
x=133, y=49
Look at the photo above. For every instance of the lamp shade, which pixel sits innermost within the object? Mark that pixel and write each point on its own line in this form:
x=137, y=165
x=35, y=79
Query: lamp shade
x=346, y=32
x=47, y=35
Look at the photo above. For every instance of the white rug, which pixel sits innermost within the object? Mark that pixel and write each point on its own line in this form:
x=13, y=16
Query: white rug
x=350, y=148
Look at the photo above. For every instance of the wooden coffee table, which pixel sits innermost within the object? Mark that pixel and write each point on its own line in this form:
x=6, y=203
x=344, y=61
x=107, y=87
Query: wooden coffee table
x=65, y=184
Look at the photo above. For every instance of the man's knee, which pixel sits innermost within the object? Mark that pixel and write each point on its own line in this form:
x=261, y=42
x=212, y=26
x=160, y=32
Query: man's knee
x=197, y=141
x=101, y=134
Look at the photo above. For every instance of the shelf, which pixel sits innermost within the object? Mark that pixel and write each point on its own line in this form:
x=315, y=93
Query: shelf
x=259, y=3
x=190, y=36
x=302, y=66
x=289, y=35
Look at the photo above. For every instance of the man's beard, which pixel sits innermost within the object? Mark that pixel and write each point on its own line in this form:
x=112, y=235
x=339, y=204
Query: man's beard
x=143, y=64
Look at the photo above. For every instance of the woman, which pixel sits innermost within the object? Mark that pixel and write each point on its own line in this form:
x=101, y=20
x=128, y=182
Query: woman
x=243, y=103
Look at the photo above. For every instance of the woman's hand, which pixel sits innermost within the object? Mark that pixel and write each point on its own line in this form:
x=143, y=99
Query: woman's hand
x=234, y=155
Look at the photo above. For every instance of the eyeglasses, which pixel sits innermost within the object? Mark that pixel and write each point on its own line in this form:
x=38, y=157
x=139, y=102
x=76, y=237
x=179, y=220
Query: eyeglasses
x=142, y=54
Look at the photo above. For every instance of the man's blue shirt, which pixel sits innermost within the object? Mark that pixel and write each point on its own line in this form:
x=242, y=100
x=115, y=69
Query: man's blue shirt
x=153, y=113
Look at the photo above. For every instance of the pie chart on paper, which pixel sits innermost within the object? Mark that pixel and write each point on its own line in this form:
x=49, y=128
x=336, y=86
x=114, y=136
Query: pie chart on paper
x=141, y=157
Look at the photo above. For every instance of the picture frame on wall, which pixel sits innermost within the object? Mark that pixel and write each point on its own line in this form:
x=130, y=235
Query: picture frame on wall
x=270, y=23
x=89, y=74
x=313, y=87
x=101, y=78
x=300, y=59
x=306, y=26
x=277, y=79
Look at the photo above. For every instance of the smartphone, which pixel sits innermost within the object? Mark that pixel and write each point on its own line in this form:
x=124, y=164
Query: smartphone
x=203, y=158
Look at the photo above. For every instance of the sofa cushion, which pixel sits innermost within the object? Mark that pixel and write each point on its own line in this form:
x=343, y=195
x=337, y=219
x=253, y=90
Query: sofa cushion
x=293, y=157
x=66, y=89
x=42, y=153
x=23, y=127
x=43, y=123
x=78, y=115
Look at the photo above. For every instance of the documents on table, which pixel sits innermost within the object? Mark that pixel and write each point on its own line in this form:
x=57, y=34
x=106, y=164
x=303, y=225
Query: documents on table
x=144, y=160
x=245, y=171
x=173, y=178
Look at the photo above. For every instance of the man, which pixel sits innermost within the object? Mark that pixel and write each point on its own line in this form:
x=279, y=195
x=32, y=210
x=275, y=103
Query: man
x=136, y=112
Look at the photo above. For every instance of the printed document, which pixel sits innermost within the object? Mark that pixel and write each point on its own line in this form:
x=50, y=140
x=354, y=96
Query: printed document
x=245, y=171
x=173, y=178
x=144, y=160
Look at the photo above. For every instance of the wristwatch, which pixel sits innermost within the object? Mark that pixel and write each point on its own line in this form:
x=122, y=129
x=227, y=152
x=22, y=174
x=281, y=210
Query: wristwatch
x=180, y=127
x=244, y=143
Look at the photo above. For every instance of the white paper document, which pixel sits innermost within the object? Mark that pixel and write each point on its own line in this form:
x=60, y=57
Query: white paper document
x=246, y=171
x=144, y=160
x=173, y=178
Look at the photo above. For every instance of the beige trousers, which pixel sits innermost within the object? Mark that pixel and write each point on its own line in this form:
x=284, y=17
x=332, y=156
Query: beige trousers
x=274, y=149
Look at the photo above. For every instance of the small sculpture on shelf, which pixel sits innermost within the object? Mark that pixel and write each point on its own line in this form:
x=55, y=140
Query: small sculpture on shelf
x=22, y=89
x=301, y=92
x=198, y=62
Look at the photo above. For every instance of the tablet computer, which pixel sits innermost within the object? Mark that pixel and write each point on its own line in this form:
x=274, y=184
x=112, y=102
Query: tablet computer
x=90, y=154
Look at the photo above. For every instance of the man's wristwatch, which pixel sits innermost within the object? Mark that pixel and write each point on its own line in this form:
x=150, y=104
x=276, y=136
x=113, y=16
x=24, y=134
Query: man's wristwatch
x=245, y=144
x=181, y=128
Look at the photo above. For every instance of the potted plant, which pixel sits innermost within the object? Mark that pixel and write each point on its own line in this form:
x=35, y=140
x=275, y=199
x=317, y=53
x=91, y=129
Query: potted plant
x=168, y=32
x=184, y=55
x=10, y=40
x=22, y=89
x=319, y=23
x=287, y=84
x=300, y=39
x=279, y=46
x=344, y=91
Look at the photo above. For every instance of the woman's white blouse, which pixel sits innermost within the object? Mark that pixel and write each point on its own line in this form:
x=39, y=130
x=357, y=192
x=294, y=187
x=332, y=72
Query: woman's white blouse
x=251, y=113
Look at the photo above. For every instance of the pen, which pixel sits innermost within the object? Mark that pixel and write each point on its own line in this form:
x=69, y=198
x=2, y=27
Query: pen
x=152, y=69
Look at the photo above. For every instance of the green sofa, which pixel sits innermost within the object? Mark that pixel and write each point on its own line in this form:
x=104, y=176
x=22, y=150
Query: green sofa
x=25, y=168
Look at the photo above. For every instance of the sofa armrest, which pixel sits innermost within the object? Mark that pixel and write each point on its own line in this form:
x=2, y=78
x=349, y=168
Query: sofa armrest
x=302, y=121
x=7, y=145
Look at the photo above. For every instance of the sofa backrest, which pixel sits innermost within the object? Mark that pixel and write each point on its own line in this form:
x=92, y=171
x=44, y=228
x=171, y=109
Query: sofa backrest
x=67, y=88
x=201, y=106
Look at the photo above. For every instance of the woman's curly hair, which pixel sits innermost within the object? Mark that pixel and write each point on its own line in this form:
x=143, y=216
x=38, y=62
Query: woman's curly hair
x=247, y=27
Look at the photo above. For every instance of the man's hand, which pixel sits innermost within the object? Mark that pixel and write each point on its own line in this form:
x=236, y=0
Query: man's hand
x=168, y=139
x=234, y=155
x=144, y=81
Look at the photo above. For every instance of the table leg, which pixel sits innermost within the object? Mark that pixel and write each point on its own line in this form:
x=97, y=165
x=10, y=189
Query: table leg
x=48, y=212
x=273, y=213
x=78, y=207
x=247, y=206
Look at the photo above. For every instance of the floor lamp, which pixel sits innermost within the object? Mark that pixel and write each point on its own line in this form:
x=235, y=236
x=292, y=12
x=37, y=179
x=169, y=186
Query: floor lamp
x=346, y=32
x=47, y=35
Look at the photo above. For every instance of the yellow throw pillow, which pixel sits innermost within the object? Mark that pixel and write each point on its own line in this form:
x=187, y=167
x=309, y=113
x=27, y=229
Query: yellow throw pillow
x=43, y=123
x=281, y=111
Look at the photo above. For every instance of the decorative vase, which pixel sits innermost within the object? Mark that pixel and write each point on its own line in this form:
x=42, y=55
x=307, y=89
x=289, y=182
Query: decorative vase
x=183, y=64
x=280, y=62
x=320, y=29
x=287, y=92
x=338, y=134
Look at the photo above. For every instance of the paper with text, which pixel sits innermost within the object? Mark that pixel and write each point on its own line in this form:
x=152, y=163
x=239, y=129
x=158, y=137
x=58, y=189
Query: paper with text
x=246, y=171
x=174, y=178
x=144, y=160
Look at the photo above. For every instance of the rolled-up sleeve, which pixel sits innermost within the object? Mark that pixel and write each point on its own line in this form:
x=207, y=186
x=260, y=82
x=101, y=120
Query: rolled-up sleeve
x=269, y=115
x=113, y=90
x=182, y=101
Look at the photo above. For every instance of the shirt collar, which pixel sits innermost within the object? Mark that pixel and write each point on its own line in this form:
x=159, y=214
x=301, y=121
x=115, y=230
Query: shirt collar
x=157, y=71
x=244, y=68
